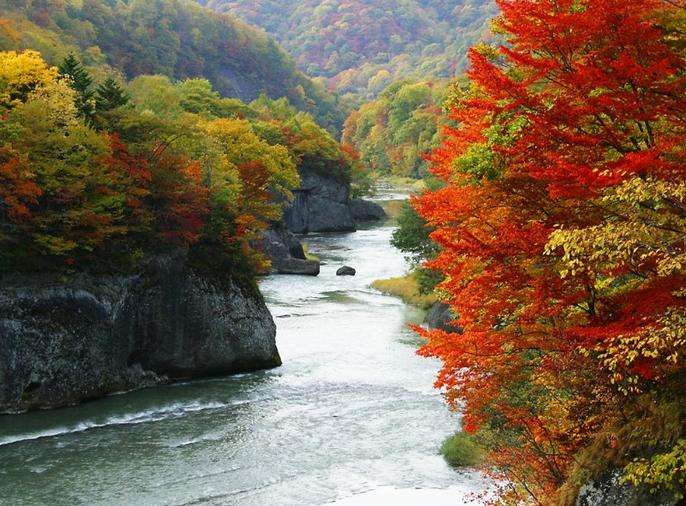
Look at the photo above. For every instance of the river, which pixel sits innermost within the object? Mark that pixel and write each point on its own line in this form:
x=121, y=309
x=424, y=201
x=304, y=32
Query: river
x=351, y=417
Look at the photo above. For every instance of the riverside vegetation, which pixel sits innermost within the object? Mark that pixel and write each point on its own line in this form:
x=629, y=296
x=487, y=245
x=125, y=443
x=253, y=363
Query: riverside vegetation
x=552, y=222
x=557, y=224
x=178, y=166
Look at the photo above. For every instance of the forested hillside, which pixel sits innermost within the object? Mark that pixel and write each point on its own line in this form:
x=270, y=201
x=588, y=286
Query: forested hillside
x=394, y=133
x=362, y=46
x=102, y=177
x=176, y=38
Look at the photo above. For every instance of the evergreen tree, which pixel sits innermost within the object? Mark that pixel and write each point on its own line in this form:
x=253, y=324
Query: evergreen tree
x=109, y=95
x=81, y=82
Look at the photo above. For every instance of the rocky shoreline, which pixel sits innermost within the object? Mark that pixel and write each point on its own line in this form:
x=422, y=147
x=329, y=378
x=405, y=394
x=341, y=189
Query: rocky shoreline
x=324, y=204
x=320, y=204
x=62, y=343
x=67, y=341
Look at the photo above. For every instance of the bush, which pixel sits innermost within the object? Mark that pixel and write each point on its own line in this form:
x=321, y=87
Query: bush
x=462, y=450
x=406, y=288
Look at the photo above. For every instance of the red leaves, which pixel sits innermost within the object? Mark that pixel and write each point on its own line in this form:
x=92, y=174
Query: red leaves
x=586, y=97
x=179, y=198
x=18, y=190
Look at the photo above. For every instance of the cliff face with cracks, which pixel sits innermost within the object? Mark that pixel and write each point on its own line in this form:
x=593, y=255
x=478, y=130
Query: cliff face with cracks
x=323, y=204
x=320, y=204
x=62, y=343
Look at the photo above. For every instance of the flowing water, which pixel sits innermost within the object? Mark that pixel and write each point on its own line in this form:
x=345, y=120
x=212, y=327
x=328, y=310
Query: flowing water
x=351, y=416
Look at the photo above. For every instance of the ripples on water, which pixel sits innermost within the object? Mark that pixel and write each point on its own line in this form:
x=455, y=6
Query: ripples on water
x=351, y=416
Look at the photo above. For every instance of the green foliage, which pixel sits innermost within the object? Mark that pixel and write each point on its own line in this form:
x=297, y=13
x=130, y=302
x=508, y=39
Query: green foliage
x=395, y=132
x=663, y=471
x=176, y=38
x=178, y=167
x=109, y=95
x=361, y=46
x=81, y=81
x=462, y=450
x=412, y=235
x=312, y=146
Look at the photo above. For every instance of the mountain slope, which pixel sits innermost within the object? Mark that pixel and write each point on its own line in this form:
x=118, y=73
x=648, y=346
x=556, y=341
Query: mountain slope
x=177, y=38
x=361, y=46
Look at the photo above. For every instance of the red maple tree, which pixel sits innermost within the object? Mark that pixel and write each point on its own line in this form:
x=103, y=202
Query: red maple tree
x=562, y=225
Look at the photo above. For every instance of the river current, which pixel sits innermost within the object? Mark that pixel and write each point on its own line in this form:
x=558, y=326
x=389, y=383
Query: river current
x=350, y=418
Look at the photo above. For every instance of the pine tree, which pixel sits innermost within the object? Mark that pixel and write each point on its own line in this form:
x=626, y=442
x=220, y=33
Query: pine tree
x=109, y=95
x=81, y=82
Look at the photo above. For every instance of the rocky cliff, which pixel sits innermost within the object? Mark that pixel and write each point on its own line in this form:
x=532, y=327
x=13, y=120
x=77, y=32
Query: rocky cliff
x=320, y=204
x=323, y=204
x=440, y=316
x=61, y=343
x=610, y=490
x=286, y=252
x=364, y=210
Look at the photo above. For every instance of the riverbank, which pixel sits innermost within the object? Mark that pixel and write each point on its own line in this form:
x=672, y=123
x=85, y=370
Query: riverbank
x=351, y=412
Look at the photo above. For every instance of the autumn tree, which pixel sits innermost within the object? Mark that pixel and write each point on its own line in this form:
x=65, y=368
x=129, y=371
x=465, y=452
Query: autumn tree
x=561, y=228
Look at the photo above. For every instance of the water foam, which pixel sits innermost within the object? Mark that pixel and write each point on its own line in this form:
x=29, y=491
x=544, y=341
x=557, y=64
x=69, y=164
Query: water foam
x=153, y=415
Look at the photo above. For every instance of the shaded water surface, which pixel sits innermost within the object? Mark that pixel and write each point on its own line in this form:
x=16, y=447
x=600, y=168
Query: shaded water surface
x=351, y=416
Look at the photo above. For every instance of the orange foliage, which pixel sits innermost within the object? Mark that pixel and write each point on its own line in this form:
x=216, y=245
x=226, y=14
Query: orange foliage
x=586, y=99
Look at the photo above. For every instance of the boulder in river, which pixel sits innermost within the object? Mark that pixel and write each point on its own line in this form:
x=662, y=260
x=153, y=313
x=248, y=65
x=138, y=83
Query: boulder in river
x=364, y=210
x=286, y=253
x=320, y=204
x=65, y=342
x=346, y=271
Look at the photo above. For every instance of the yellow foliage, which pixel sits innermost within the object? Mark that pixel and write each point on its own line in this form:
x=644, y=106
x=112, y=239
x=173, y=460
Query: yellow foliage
x=406, y=288
x=22, y=74
x=666, y=471
x=639, y=245
x=646, y=230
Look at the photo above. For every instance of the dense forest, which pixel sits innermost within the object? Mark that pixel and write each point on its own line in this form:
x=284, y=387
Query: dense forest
x=100, y=176
x=362, y=46
x=176, y=38
x=394, y=133
x=552, y=219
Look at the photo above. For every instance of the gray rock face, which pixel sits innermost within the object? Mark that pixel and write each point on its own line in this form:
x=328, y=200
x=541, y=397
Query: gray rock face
x=64, y=343
x=609, y=491
x=439, y=316
x=364, y=210
x=346, y=271
x=321, y=204
x=286, y=253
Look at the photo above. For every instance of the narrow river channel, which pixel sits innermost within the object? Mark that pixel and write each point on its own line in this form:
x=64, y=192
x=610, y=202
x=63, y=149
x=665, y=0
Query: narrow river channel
x=351, y=416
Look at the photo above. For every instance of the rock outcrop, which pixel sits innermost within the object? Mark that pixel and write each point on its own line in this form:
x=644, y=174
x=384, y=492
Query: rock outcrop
x=609, y=490
x=440, y=316
x=320, y=204
x=62, y=343
x=286, y=253
x=364, y=210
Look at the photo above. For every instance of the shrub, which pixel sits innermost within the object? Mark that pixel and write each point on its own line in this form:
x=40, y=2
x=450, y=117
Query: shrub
x=462, y=450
